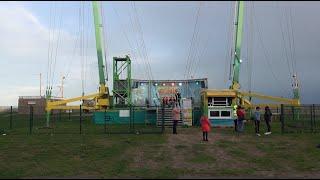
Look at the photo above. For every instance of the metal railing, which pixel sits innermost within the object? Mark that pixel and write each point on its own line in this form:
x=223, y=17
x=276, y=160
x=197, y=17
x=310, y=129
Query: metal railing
x=141, y=120
x=303, y=118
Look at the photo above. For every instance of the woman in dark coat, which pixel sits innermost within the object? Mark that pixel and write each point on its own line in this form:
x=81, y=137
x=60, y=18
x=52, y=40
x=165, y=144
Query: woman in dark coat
x=267, y=118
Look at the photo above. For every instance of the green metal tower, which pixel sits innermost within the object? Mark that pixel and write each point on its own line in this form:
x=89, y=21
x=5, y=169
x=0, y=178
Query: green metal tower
x=121, y=81
x=239, y=12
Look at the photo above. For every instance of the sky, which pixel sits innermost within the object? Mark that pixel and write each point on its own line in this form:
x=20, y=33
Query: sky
x=279, y=38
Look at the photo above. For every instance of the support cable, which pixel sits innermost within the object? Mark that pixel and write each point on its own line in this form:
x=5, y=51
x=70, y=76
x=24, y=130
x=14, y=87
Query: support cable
x=134, y=24
x=265, y=52
x=192, y=42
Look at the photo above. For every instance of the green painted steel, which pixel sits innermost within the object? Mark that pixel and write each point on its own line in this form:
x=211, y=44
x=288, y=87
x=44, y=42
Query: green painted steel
x=196, y=115
x=296, y=94
x=121, y=68
x=48, y=96
x=139, y=117
x=99, y=40
x=238, y=41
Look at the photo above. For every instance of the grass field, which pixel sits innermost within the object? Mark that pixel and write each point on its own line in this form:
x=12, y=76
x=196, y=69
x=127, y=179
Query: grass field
x=98, y=155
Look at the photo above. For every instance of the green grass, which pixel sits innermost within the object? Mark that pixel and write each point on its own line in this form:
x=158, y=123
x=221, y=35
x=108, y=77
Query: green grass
x=56, y=153
x=202, y=158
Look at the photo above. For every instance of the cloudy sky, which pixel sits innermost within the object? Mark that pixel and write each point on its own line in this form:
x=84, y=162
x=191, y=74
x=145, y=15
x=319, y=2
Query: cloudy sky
x=177, y=39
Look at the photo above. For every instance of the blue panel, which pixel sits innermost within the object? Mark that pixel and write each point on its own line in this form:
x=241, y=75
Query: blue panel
x=222, y=122
x=139, y=117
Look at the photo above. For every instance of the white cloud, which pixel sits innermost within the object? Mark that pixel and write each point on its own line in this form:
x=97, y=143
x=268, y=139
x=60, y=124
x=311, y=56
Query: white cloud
x=24, y=51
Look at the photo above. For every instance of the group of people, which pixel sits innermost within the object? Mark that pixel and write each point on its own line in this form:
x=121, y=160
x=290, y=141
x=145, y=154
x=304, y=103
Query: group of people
x=169, y=101
x=206, y=124
x=173, y=100
x=238, y=123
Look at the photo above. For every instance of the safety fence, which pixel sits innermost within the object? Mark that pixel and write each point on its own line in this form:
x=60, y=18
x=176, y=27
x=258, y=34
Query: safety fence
x=33, y=120
x=302, y=118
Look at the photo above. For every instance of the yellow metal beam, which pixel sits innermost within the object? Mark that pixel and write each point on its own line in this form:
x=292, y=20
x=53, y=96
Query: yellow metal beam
x=219, y=92
x=55, y=103
x=262, y=96
x=71, y=107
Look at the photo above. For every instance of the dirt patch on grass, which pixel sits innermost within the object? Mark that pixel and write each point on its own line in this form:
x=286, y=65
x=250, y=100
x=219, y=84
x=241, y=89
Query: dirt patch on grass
x=190, y=152
x=147, y=157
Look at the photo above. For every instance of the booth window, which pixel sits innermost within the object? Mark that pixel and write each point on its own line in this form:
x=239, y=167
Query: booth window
x=225, y=113
x=220, y=101
x=214, y=113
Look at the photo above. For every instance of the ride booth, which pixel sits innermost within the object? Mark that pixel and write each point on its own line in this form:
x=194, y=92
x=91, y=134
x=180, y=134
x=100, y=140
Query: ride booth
x=217, y=105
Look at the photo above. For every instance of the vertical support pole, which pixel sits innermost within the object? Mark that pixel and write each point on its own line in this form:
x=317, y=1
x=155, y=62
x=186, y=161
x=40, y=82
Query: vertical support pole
x=293, y=117
x=311, y=118
x=69, y=114
x=10, y=117
x=282, y=118
x=105, y=121
x=31, y=120
x=60, y=115
x=40, y=84
x=132, y=108
x=278, y=111
x=47, y=118
x=80, y=119
x=53, y=119
x=162, y=122
x=314, y=118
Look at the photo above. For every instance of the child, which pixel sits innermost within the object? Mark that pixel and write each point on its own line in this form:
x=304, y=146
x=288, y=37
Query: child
x=205, y=126
x=257, y=120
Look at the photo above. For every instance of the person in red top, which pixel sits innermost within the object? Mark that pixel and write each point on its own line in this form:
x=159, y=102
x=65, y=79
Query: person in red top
x=240, y=114
x=205, y=126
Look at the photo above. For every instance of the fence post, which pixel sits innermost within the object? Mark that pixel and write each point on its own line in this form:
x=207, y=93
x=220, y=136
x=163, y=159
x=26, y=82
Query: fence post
x=311, y=119
x=69, y=114
x=314, y=118
x=132, y=109
x=293, y=113
x=282, y=118
x=105, y=121
x=162, y=115
x=60, y=115
x=31, y=119
x=80, y=120
x=10, y=117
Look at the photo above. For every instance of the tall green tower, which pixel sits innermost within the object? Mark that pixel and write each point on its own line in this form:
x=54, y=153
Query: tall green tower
x=121, y=81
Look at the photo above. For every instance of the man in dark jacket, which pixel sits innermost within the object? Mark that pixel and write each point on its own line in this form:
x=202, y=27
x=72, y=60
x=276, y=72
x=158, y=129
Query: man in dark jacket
x=267, y=118
x=178, y=98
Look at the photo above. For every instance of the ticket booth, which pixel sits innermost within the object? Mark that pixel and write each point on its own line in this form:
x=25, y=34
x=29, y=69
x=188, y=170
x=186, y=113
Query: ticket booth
x=217, y=105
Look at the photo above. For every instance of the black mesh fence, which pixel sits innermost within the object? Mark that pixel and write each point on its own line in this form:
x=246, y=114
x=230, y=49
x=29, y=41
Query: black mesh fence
x=303, y=118
x=31, y=120
x=134, y=119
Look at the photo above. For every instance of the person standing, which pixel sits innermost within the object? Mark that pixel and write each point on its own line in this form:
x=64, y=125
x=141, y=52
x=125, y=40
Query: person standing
x=167, y=101
x=235, y=108
x=205, y=126
x=175, y=118
x=257, y=120
x=240, y=114
x=178, y=97
x=163, y=101
x=267, y=118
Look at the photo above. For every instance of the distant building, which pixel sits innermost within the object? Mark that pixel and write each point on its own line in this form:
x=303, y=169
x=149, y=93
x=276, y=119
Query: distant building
x=38, y=103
